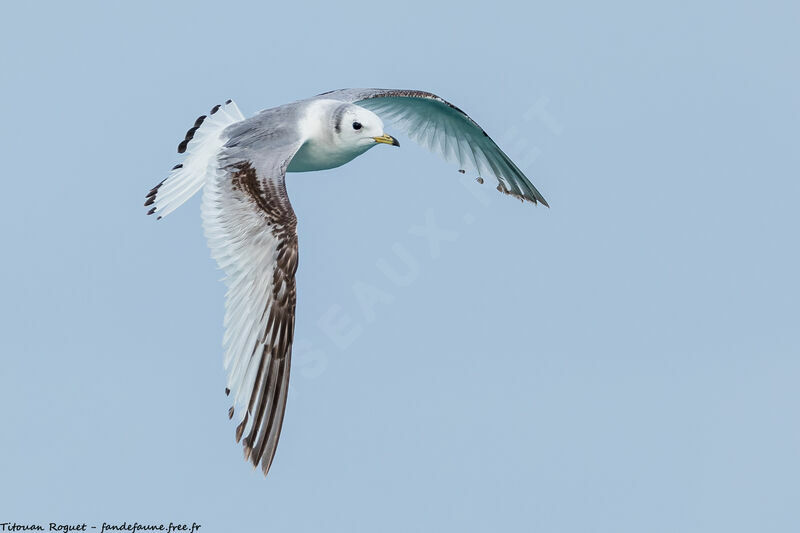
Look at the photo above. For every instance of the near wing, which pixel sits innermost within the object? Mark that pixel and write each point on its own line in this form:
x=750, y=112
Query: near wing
x=251, y=230
x=445, y=129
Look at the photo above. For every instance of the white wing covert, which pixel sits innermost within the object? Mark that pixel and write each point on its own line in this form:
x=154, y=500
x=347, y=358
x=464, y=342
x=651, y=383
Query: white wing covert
x=445, y=129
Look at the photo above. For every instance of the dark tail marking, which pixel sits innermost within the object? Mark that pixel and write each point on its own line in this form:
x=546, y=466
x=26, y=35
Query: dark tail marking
x=197, y=124
x=151, y=196
x=190, y=134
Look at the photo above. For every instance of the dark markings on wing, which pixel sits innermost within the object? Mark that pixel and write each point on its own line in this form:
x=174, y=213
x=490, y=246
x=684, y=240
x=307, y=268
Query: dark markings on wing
x=534, y=197
x=503, y=189
x=240, y=427
x=268, y=397
x=214, y=109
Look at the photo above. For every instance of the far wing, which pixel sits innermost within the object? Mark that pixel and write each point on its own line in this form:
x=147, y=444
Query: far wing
x=444, y=129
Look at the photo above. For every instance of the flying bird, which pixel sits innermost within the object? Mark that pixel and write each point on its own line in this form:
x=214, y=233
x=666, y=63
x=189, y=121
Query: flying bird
x=241, y=165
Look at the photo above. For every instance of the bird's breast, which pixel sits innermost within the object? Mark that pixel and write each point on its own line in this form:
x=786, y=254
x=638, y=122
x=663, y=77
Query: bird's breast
x=319, y=156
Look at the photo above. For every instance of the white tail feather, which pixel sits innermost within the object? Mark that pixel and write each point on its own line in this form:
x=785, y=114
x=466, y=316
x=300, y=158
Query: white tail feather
x=201, y=146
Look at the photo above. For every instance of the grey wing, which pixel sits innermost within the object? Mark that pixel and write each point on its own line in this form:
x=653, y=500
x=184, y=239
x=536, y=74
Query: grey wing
x=251, y=230
x=445, y=129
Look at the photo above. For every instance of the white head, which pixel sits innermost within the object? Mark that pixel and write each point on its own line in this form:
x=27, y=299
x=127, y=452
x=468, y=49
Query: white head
x=358, y=129
x=336, y=133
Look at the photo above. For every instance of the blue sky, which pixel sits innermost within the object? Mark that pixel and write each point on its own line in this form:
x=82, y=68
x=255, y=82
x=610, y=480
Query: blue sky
x=625, y=361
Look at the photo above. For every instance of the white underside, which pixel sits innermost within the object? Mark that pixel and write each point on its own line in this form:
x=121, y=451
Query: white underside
x=314, y=156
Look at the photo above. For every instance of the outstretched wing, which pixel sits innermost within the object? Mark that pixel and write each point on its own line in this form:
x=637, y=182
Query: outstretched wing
x=445, y=129
x=251, y=230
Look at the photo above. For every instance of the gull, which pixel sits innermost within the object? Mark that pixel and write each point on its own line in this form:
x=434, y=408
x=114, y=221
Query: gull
x=241, y=165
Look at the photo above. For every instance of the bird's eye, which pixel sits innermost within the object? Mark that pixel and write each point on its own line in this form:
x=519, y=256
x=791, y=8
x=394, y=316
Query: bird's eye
x=356, y=125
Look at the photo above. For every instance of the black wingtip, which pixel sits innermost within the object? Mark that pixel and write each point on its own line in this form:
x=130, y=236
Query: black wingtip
x=240, y=429
x=534, y=197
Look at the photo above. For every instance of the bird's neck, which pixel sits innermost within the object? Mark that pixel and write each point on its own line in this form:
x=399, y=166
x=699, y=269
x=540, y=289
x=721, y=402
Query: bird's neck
x=321, y=149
